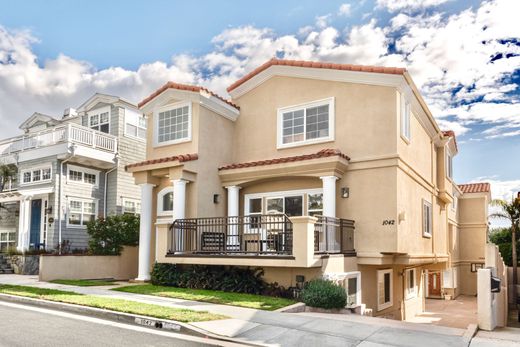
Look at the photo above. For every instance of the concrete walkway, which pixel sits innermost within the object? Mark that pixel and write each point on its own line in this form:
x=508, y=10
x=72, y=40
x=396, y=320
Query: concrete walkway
x=458, y=313
x=501, y=337
x=285, y=329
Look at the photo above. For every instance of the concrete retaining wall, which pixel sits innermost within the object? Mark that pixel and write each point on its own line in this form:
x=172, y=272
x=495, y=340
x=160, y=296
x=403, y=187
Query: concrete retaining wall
x=122, y=267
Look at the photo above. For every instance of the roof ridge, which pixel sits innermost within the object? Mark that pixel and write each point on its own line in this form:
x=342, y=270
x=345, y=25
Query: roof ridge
x=181, y=158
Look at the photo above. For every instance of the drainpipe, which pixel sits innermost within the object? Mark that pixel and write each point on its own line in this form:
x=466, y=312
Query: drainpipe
x=72, y=150
x=105, y=208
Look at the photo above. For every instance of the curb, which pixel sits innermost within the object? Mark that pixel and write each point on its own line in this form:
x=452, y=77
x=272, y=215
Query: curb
x=470, y=332
x=121, y=317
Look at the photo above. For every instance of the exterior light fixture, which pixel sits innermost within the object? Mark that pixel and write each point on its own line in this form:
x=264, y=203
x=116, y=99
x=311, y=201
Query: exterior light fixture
x=345, y=192
x=216, y=198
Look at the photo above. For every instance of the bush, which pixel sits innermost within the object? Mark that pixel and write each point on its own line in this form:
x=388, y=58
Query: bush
x=502, y=238
x=229, y=279
x=109, y=235
x=324, y=294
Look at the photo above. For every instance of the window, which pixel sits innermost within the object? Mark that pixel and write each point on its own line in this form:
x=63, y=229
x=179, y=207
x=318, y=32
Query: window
x=405, y=118
x=83, y=175
x=449, y=166
x=165, y=202
x=289, y=202
x=411, y=286
x=315, y=204
x=7, y=239
x=353, y=288
x=290, y=205
x=81, y=212
x=384, y=289
x=39, y=175
x=135, y=124
x=131, y=206
x=427, y=219
x=310, y=123
x=100, y=121
x=173, y=125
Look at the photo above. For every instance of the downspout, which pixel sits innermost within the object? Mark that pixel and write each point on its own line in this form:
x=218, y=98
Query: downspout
x=72, y=150
x=105, y=208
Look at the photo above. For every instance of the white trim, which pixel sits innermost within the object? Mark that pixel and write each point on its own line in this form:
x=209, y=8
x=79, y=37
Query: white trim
x=279, y=126
x=410, y=293
x=160, y=207
x=134, y=114
x=97, y=112
x=405, y=117
x=137, y=205
x=83, y=170
x=380, y=281
x=82, y=200
x=169, y=107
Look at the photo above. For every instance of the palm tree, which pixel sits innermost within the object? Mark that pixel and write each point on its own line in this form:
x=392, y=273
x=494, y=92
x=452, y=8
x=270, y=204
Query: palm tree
x=8, y=173
x=511, y=212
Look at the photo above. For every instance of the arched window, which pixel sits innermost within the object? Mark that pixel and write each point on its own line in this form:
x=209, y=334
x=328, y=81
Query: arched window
x=165, y=202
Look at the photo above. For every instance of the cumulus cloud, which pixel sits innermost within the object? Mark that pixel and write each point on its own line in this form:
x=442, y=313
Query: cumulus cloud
x=345, y=10
x=410, y=5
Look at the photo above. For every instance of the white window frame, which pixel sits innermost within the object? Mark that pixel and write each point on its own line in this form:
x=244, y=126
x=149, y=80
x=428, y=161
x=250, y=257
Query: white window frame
x=129, y=114
x=160, y=207
x=427, y=226
x=82, y=200
x=309, y=210
x=406, y=119
x=357, y=275
x=279, y=127
x=137, y=206
x=83, y=171
x=410, y=293
x=158, y=110
x=449, y=165
x=380, y=281
x=31, y=170
x=281, y=194
x=98, y=112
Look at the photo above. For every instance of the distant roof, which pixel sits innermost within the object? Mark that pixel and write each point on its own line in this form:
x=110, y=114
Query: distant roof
x=317, y=65
x=451, y=133
x=324, y=153
x=180, y=158
x=482, y=187
x=187, y=87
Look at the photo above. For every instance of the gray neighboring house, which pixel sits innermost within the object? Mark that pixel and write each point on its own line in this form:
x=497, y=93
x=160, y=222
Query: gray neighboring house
x=70, y=171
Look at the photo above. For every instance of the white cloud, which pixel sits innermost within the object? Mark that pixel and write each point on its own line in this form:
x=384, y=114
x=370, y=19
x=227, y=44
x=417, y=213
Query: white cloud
x=410, y=5
x=345, y=10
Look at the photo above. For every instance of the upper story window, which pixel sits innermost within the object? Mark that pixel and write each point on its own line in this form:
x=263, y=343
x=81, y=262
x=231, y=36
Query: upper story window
x=135, y=124
x=427, y=219
x=165, y=202
x=78, y=174
x=131, y=206
x=405, y=118
x=449, y=165
x=100, y=120
x=173, y=124
x=37, y=175
x=304, y=124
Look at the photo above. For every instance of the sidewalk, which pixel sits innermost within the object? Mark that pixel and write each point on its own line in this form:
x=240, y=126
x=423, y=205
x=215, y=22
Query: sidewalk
x=284, y=329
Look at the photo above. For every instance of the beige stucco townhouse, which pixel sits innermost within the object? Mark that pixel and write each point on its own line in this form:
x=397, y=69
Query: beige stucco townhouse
x=311, y=170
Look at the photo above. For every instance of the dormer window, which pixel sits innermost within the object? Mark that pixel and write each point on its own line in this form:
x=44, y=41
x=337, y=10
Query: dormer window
x=99, y=120
x=173, y=124
x=306, y=124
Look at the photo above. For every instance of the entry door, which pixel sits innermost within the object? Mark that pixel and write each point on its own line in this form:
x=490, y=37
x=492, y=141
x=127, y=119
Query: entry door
x=434, y=284
x=36, y=222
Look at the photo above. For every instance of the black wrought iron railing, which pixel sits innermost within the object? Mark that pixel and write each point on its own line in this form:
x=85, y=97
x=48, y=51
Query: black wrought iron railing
x=241, y=235
x=334, y=235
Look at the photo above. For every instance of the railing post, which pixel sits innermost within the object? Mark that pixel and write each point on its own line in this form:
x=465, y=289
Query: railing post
x=94, y=139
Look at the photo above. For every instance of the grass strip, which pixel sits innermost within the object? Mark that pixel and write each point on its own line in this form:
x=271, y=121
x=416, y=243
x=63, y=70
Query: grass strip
x=85, y=283
x=119, y=305
x=260, y=302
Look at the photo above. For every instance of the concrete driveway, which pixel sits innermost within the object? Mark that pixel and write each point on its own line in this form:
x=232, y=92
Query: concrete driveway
x=458, y=313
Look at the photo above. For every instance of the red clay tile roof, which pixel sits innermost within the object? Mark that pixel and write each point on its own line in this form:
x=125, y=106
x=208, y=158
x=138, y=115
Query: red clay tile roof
x=321, y=154
x=187, y=87
x=451, y=133
x=482, y=187
x=318, y=65
x=181, y=158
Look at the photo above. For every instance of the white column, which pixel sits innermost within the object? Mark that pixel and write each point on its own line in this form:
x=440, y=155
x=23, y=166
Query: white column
x=329, y=195
x=24, y=224
x=179, y=210
x=145, y=232
x=233, y=208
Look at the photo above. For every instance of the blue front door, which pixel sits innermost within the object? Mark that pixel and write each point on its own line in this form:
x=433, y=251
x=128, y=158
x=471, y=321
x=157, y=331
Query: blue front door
x=36, y=221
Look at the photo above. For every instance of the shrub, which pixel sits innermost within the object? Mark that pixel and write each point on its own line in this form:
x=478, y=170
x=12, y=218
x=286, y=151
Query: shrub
x=502, y=238
x=225, y=278
x=109, y=235
x=324, y=294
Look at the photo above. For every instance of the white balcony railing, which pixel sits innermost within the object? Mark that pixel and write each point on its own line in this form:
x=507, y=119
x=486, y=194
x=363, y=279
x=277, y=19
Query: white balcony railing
x=71, y=133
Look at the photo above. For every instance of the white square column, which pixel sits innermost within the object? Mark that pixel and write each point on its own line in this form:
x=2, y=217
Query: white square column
x=329, y=195
x=24, y=224
x=145, y=232
x=179, y=211
x=232, y=211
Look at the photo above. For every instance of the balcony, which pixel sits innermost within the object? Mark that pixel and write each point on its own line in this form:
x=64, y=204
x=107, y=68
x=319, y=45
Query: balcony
x=55, y=141
x=333, y=236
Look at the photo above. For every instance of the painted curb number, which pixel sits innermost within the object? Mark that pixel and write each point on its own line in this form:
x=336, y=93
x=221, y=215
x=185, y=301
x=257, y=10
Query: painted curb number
x=157, y=324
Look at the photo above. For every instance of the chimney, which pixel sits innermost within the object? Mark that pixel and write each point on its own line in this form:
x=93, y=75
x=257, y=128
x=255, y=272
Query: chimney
x=69, y=112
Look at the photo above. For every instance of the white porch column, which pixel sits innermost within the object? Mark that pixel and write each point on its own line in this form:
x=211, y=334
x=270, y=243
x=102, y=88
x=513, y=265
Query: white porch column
x=233, y=208
x=145, y=232
x=179, y=199
x=329, y=195
x=24, y=224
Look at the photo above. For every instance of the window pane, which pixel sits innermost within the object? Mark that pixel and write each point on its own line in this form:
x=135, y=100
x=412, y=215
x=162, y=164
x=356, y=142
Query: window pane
x=274, y=205
x=168, y=202
x=104, y=128
x=131, y=129
x=104, y=117
x=255, y=205
x=94, y=120
x=26, y=177
x=141, y=133
x=315, y=201
x=36, y=175
x=387, y=287
x=292, y=126
x=75, y=218
x=88, y=218
x=46, y=174
x=173, y=124
x=294, y=206
x=317, y=122
x=88, y=207
x=90, y=178
x=75, y=206
x=411, y=280
x=75, y=175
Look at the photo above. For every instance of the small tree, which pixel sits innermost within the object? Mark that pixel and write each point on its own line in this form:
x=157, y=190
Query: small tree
x=109, y=235
x=510, y=211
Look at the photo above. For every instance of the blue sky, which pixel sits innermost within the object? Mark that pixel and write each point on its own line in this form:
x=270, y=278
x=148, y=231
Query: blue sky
x=463, y=55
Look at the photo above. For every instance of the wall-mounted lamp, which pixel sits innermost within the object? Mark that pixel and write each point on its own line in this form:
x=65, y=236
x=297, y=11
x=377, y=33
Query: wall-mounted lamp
x=345, y=192
x=216, y=198
x=48, y=210
x=402, y=216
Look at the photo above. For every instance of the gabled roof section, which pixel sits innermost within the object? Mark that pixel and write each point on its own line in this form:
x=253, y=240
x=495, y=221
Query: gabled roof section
x=38, y=117
x=106, y=99
x=324, y=153
x=316, y=65
x=481, y=187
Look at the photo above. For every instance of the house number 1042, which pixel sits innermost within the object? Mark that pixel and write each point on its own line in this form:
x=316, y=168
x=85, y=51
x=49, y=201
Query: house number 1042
x=389, y=222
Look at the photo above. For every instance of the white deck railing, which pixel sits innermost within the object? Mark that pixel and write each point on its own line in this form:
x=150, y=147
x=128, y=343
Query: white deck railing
x=72, y=133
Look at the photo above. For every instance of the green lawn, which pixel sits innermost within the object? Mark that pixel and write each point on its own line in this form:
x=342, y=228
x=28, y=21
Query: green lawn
x=85, y=283
x=261, y=302
x=119, y=305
